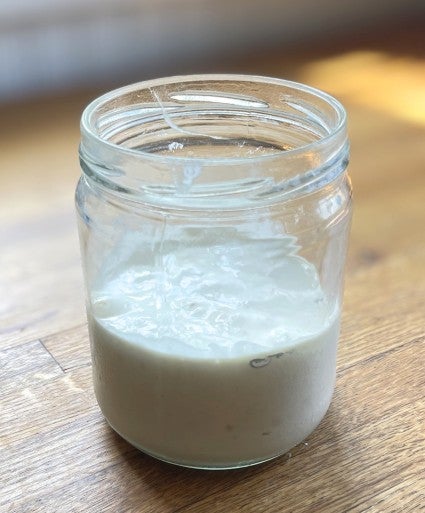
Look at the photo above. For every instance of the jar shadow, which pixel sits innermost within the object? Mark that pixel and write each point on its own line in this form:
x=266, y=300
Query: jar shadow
x=170, y=488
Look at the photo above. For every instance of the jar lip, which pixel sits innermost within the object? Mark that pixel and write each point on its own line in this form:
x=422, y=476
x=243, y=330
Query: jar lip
x=89, y=130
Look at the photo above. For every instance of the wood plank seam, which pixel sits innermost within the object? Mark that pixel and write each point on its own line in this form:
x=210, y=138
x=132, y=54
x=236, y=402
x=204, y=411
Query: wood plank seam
x=52, y=356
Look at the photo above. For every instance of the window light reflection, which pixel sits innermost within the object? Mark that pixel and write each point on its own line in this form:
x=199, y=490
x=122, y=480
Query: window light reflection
x=390, y=84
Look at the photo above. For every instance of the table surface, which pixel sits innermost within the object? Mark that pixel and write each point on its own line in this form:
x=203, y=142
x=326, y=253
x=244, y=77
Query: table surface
x=367, y=455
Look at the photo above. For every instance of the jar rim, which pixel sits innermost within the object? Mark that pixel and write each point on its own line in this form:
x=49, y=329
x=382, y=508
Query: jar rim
x=91, y=133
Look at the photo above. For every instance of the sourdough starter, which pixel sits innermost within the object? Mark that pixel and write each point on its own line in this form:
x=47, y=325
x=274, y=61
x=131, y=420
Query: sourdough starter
x=215, y=355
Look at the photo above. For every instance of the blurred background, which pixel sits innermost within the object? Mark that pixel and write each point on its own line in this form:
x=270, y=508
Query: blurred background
x=52, y=45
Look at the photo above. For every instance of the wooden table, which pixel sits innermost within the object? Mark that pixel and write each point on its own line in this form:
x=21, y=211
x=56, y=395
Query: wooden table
x=56, y=451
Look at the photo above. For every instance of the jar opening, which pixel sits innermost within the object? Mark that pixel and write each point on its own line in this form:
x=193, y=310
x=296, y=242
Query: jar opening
x=182, y=131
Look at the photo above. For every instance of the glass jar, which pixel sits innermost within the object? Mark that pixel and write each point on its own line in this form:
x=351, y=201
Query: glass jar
x=214, y=213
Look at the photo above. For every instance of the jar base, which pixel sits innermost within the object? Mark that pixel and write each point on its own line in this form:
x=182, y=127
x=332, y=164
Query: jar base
x=200, y=466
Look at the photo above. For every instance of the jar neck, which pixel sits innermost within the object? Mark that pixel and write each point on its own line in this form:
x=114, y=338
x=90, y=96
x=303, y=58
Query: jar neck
x=191, y=142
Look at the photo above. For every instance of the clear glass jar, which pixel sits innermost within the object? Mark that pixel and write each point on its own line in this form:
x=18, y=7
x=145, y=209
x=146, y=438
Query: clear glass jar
x=214, y=213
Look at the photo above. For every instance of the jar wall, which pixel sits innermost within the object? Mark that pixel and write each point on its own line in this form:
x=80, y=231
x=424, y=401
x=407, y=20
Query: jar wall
x=213, y=303
x=315, y=228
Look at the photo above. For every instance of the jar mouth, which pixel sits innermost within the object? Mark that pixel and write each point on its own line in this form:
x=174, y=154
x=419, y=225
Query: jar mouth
x=127, y=121
x=212, y=141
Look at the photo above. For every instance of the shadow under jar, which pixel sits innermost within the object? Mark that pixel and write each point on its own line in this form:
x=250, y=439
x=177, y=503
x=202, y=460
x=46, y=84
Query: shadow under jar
x=214, y=213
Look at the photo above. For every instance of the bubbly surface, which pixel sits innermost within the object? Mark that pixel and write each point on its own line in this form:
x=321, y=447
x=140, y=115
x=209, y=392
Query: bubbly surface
x=220, y=300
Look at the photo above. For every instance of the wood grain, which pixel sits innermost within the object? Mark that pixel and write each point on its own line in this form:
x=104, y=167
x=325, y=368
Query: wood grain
x=56, y=451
